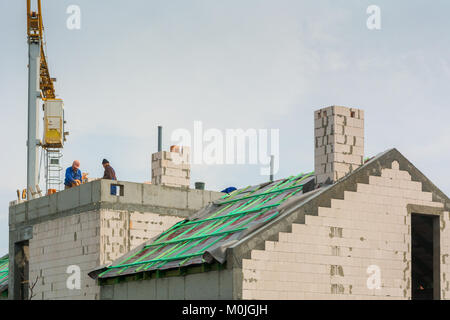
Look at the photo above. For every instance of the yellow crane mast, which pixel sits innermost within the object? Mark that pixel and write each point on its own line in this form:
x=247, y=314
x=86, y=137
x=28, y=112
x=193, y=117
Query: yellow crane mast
x=36, y=33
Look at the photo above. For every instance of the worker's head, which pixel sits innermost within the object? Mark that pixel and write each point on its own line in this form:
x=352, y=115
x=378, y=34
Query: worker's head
x=105, y=163
x=76, y=165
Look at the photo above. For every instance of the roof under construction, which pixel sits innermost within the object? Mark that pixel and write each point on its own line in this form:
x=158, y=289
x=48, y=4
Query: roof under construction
x=204, y=237
x=4, y=270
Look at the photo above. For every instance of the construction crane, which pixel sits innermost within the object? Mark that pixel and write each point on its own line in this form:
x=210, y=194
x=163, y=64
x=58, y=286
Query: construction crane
x=41, y=87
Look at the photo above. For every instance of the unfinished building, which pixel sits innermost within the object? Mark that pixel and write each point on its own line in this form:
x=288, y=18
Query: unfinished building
x=353, y=230
x=68, y=233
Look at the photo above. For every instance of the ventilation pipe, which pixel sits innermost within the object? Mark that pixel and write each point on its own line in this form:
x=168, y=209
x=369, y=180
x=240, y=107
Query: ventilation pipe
x=159, y=138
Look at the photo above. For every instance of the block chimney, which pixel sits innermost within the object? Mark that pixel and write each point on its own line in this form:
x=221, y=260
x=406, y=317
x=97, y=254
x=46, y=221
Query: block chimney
x=339, y=142
x=172, y=168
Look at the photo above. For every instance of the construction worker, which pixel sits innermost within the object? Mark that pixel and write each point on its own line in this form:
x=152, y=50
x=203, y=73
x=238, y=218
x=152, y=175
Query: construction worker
x=73, y=175
x=109, y=174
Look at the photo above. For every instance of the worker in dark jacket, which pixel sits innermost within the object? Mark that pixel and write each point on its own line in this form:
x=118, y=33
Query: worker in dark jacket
x=73, y=175
x=109, y=174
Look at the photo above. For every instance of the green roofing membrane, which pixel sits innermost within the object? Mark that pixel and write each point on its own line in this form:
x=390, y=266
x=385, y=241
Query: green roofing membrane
x=4, y=269
x=198, y=239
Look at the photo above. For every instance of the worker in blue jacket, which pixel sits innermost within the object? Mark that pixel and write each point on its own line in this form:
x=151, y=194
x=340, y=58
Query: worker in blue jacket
x=73, y=175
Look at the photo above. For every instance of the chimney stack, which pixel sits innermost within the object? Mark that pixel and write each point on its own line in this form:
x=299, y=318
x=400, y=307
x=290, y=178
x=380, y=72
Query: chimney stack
x=172, y=168
x=339, y=142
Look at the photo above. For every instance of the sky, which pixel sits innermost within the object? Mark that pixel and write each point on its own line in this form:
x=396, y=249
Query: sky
x=247, y=64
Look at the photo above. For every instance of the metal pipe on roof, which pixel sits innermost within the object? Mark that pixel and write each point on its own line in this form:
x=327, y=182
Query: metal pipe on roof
x=159, y=138
x=272, y=158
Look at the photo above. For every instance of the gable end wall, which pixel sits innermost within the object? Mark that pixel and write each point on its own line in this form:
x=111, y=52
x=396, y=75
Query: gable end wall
x=334, y=253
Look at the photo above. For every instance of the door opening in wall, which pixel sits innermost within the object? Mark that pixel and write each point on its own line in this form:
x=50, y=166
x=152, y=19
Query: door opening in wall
x=21, y=261
x=425, y=269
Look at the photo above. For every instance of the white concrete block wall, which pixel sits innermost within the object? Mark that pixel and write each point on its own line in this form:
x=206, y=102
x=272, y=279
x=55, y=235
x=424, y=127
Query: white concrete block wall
x=445, y=256
x=87, y=240
x=328, y=256
x=114, y=235
x=59, y=243
x=122, y=231
x=144, y=226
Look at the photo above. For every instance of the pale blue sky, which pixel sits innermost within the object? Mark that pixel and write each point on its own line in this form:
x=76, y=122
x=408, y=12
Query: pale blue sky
x=231, y=64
